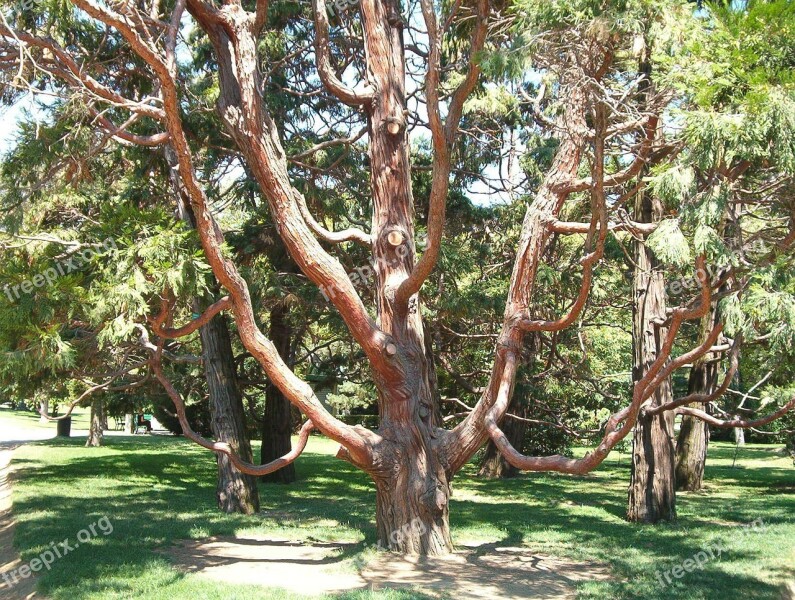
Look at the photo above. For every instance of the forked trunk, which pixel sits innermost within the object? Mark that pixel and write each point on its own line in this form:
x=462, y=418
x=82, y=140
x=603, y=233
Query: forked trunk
x=96, y=434
x=691, y=445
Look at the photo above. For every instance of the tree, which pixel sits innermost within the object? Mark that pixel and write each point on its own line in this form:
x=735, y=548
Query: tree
x=410, y=459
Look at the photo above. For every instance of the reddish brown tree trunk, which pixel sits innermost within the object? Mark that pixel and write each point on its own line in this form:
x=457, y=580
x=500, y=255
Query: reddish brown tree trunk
x=413, y=491
x=277, y=427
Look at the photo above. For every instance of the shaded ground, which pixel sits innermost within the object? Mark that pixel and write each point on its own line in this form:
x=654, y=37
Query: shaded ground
x=9, y=558
x=482, y=572
x=159, y=490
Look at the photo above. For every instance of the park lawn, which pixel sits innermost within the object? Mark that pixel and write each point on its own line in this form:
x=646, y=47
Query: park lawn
x=32, y=420
x=158, y=490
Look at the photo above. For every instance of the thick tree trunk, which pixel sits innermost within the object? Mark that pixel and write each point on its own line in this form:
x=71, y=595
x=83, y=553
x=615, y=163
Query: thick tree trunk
x=691, y=445
x=96, y=433
x=412, y=500
x=236, y=492
x=652, y=497
x=44, y=409
x=277, y=427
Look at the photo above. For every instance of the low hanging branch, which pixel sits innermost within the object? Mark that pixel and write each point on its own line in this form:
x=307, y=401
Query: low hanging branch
x=222, y=447
x=701, y=398
x=96, y=388
x=620, y=423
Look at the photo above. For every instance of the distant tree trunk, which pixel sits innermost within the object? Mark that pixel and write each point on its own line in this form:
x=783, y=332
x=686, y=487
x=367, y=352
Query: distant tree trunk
x=739, y=434
x=494, y=465
x=691, y=445
x=44, y=409
x=96, y=435
x=236, y=492
x=277, y=427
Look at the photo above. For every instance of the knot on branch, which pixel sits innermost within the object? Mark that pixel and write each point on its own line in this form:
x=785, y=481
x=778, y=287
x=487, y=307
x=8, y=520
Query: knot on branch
x=395, y=125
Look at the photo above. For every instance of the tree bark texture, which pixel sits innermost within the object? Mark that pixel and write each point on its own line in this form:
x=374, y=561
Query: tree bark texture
x=691, y=445
x=96, y=434
x=236, y=492
x=652, y=496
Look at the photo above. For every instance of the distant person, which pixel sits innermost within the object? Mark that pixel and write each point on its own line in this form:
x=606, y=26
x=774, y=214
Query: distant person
x=145, y=422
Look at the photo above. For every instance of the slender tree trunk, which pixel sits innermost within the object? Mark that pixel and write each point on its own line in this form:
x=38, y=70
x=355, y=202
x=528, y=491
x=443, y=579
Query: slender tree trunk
x=96, y=435
x=277, y=427
x=236, y=491
x=691, y=445
x=739, y=433
x=44, y=409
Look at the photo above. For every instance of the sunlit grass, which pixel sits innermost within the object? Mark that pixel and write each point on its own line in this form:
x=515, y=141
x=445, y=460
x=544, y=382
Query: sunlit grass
x=159, y=490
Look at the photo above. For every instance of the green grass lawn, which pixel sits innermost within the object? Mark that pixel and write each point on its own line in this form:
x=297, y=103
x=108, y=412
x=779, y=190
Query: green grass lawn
x=157, y=490
x=32, y=420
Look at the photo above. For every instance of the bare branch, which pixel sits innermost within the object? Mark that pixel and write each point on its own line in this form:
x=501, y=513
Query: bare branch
x=359, y=97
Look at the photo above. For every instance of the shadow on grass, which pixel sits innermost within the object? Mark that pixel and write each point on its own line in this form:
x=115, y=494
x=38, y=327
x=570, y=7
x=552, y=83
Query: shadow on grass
x=156, y=491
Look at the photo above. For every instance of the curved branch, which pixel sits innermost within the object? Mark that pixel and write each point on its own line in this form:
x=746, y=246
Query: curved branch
x=351, y=234
x=659, y=370
x=92, y=390
x=222, y=447
x=325, y=69
x=701, y=398
x=738, y=423
x=598, y=220
x=208, y=315
x=444, y=135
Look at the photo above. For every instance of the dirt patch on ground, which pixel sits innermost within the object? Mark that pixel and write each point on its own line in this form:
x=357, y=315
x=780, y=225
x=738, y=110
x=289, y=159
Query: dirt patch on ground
x=477, y=572
x=9, y=559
